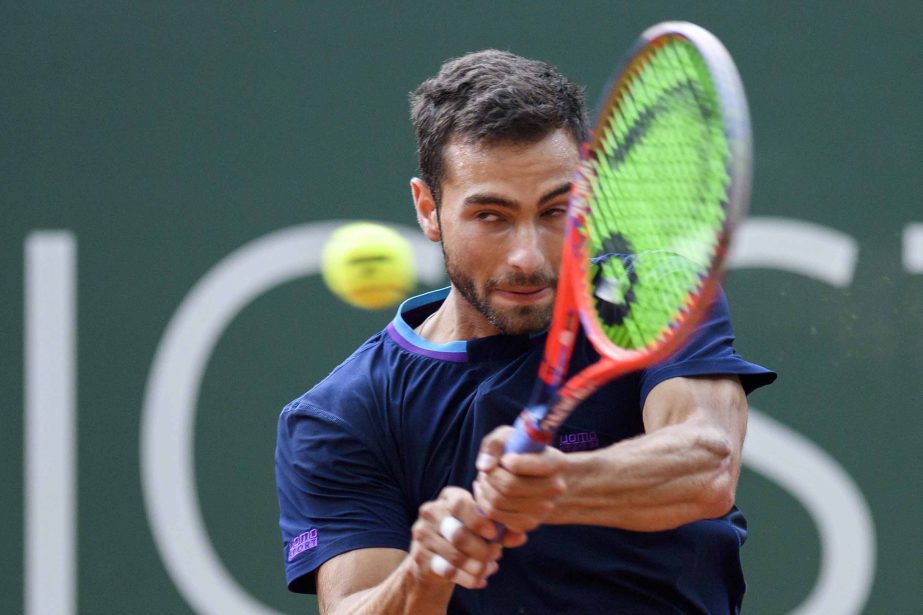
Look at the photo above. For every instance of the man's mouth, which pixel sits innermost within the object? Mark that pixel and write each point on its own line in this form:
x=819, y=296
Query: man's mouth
x=523, y=294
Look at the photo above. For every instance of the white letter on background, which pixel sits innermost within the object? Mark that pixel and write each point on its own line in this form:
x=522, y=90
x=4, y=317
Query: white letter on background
x=49, y=467
x=912, y=253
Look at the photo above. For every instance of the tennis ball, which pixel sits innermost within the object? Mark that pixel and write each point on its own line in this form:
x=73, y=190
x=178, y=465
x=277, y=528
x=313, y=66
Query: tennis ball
x=368, y=265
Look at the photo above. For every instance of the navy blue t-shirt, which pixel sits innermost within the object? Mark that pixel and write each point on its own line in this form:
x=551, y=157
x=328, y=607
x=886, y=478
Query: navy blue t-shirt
x=402, y=418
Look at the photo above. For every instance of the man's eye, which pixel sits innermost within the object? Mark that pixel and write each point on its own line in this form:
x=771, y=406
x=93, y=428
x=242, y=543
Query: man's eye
x=555, y=211
x=487, y=216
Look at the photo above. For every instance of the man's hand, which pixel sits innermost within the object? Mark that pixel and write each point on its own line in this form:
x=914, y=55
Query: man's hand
x=453, y=544
x=452, y=541
x=516, y=490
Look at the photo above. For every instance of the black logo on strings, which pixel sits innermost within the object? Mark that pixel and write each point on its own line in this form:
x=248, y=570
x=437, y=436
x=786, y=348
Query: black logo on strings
x=612, y=296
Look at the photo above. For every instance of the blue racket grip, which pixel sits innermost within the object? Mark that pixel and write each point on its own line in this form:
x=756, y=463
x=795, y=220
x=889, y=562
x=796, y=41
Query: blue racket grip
x=519, y=442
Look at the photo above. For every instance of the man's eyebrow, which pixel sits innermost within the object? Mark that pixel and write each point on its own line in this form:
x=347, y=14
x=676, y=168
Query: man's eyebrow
x=492, y=199
x=560, y=190
x=488, y=199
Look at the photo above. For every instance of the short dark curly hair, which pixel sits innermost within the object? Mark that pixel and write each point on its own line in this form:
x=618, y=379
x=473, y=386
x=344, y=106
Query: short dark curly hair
x=492, y=96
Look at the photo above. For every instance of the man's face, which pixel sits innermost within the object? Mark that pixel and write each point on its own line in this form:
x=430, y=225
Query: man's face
x=502, y=221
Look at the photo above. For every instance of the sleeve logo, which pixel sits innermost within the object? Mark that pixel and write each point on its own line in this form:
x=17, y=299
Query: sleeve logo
x=301, y=543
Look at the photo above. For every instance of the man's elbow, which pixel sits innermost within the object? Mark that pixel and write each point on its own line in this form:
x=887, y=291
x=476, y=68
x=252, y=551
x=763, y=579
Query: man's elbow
x=719, y=496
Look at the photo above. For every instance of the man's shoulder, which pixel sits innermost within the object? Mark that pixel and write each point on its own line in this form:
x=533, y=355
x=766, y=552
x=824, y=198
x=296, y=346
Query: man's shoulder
x=354, y=378
x=367, y=360
x=363, y=384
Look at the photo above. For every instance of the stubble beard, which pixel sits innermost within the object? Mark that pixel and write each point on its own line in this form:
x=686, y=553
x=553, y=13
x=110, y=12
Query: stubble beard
x=518, y=320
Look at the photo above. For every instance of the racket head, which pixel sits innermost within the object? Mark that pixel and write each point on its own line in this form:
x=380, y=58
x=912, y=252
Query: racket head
x=662, y=183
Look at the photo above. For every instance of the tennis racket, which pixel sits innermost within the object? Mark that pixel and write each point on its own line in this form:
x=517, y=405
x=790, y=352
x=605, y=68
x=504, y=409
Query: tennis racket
x=662, y=182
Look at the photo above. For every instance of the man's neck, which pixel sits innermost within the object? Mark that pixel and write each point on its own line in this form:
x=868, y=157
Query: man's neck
x=455, y=320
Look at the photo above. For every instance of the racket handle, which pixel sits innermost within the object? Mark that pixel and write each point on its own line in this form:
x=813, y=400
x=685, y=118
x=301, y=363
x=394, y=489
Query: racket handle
x=521, y=441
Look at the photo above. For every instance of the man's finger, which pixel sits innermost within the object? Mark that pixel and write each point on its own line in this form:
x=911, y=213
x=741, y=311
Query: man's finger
x=441, y=567
x=512, y=486
x=449, y=527
x=537, y=498
x=467, y=543
x=548, y=462
x=492, y=448
x=465, y=510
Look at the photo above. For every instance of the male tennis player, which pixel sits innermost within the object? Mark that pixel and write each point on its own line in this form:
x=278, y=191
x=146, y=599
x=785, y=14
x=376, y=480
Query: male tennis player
x=390, y=474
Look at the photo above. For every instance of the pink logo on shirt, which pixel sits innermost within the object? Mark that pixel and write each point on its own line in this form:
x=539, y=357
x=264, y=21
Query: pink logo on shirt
x=302, y=543
x=585, y=441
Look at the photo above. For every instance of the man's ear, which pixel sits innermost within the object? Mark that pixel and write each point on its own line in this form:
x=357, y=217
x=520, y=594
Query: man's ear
x=425, y=205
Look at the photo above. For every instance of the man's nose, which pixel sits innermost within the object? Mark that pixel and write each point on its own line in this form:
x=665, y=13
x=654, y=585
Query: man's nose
x=526, y=252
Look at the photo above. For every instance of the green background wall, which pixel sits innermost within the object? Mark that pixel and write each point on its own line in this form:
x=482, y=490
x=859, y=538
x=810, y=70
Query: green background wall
x=165, y=136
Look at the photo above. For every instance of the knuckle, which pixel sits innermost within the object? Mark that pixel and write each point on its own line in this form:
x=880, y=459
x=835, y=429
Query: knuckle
x=560, y=485
x=450, y=492
x=465, y=581
x=528, y=524
x=497, y=483
x=450, y=497
x=503, y=484
x=476, y=568
x=488, y=508
x=455, y=507
x=519, y=539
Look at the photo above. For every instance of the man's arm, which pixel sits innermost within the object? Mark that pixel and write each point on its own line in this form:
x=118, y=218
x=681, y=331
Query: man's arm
x=683, y=468
x=378, y=581
x=392, y=581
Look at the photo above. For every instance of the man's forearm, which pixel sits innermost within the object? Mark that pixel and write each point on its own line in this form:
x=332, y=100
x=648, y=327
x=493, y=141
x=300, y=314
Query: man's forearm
x=402, y=592
x=657, y=481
